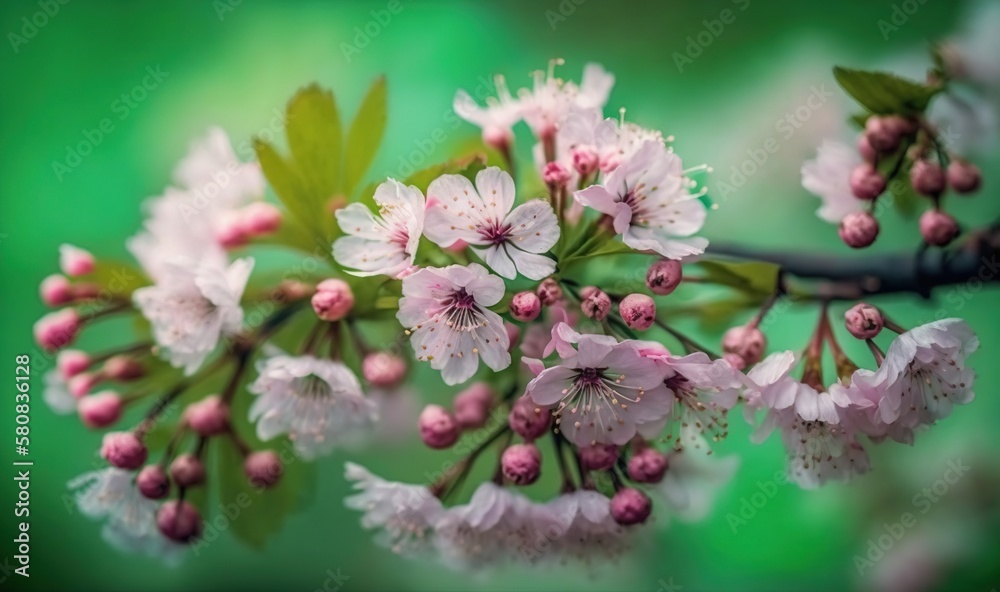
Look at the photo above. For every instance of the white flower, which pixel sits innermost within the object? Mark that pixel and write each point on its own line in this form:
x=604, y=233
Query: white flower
x=819, y=452
x=694, y=479
x=317, y=402
x=190, y=308
x=578, y=526
x=383, y=245
x=496, y=119
x=490, y=530
x=111, y=493
x=551, y=99
x=403, y=514
x=603, y=393
x=921, y=379
x=213, y=172
x=56, y=394
x=510, y=241
x=445, y=312
x=649, y=199
x=829, y=177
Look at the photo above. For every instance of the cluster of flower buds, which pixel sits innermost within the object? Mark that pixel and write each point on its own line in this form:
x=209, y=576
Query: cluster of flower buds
x=894, y=148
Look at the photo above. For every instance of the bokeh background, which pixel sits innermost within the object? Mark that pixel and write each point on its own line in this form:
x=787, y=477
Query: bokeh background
x=235, y=64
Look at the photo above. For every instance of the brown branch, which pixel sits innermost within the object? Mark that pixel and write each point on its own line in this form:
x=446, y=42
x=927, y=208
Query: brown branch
x=866, y=274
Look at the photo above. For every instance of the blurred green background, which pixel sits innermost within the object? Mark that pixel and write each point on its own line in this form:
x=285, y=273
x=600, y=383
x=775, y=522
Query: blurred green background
x=235, y=64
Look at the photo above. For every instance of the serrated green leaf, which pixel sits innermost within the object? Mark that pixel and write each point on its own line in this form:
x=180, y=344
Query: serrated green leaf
x=314, y=137
x=756, y=278
x=885, y=93
x=365, y=135
x=287, y=184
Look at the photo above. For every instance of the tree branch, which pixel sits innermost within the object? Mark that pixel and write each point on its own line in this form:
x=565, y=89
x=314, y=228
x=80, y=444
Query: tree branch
x=851, y=278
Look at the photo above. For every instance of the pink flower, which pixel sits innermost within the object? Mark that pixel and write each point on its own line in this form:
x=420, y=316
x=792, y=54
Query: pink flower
x=922, y=378
x=603, y=392
x=496, y=119
x=701, y=393
x=693, y=480
x=384, y=244
x=551, y=99
x=829, y=177
x=649, y=199
x=511, y=241
x=450, y=326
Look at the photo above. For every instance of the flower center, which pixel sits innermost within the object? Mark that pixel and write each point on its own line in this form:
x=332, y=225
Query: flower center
x=495, y=232
x=461, y=311
x=312, y=387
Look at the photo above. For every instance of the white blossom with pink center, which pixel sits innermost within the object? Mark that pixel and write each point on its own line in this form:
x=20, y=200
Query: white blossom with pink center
x=445, y=312
x=650, y=200
x=385, y=244
x=511, y=240
x=603, y=392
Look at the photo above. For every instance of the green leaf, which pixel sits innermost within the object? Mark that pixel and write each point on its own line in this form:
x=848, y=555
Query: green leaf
x=463, y=165
x=752, y=278
x=288, y=185
x=116, y=278
x=314, y=137
x=715, y=314
x=262, y=512
x=884, y=93
x=365, y=135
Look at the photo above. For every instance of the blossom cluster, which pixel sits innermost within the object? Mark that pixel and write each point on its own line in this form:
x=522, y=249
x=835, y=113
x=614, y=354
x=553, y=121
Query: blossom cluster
x=466, y=268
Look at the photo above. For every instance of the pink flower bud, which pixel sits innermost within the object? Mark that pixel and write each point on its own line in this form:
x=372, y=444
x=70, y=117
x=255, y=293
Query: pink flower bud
x=865, y=149
x=858, y=229
x=100, y=410
x=74, y=261
x=58, y=329
x=56, y=290
x=263, y=468
x=664, y=276
x=179, y=521
x=152, y=482
x=555, y=174
x=383, y=369
x=71, y=362
x=438, y=429
x=638, y=311
x=594, y=303
x=585, y=160
x=610, y=161
x=261, y=218
x=333, y=300
x=83, y=383
x=528, y=420
x=525, y=306
x=866, y=182
x=497, y=137
x=549, y=292
x=472, y=406
x=85, y=291
x=630, y=506
x=187, y=470
x=599, y=457
x=735, y=360
x=884, y=133
x=863, y=321
x=292, y=291
x=231, y=232
x=521, y=464
x=938, y=228
x=123, y=367
x=647, y=466
x=927, y=178
x=124, y=450
x=964, y=177
x=745, y=341
x=208, y=417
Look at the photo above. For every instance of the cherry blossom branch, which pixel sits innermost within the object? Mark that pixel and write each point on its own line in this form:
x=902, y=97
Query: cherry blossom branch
x=851, y=278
